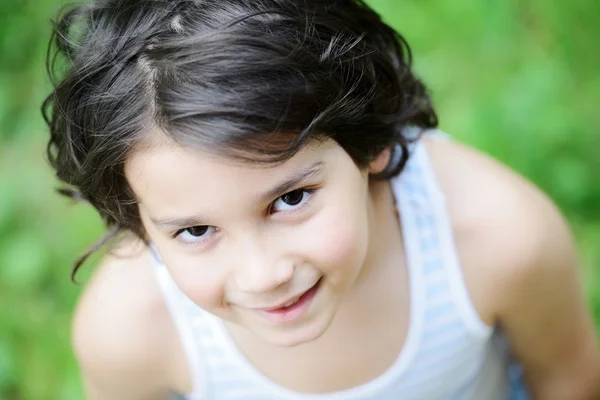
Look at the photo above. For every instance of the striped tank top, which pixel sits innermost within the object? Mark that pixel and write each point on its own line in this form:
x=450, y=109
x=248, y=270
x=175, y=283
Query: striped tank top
x=449, y=352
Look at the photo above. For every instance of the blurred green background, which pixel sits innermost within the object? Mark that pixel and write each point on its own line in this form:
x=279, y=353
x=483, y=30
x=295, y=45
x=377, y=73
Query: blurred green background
x=517, y=79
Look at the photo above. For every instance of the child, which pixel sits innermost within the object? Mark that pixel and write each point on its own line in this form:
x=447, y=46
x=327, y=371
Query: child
x=294, y=227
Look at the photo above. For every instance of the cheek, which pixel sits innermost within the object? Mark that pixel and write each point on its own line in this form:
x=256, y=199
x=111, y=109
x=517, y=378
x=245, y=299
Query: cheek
x=203, y=285
x=341, y=239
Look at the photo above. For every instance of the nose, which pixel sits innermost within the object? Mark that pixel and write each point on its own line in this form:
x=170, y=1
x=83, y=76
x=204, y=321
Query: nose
x=259, y=271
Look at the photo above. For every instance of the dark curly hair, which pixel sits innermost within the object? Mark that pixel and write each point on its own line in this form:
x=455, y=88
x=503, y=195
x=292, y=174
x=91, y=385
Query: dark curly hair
x=248, y=79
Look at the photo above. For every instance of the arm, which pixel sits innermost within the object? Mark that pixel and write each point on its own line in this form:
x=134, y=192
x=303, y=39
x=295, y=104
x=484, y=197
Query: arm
x=521, y=270
x=121, y=332
x=544, y=314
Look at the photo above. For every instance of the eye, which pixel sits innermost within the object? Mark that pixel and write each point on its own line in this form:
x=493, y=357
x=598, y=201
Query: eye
x=195, y=234
x=292, y=200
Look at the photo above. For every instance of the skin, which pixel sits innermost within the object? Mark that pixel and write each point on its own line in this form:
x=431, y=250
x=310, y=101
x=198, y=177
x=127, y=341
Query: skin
x=516, y=253
x=258, y=254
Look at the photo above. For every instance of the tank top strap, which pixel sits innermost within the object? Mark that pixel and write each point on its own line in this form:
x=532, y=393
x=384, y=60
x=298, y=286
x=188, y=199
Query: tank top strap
x=187, y=318
x=428, y=235
x=447, y=343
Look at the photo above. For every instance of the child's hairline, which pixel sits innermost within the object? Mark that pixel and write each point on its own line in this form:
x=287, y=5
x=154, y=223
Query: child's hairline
x=152, y=137
x=354, y=131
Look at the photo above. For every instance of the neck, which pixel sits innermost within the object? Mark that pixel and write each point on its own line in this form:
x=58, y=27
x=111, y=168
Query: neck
x=385, y=236
x=381, y=288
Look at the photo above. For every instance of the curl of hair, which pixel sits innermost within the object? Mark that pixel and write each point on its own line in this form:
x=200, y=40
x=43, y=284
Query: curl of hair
x=251, y=80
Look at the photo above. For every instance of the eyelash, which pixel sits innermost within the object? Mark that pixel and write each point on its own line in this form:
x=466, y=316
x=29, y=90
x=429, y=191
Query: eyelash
x=202, y=239
x=305, y=202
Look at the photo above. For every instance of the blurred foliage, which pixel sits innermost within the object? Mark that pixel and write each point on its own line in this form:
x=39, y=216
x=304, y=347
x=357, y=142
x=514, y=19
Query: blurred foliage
x=517, y=79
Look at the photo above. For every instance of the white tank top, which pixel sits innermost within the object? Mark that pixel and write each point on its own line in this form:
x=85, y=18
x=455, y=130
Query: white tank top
x=449, y=353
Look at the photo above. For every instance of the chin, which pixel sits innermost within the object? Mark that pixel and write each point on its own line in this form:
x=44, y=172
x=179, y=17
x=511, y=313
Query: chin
x=301, y=335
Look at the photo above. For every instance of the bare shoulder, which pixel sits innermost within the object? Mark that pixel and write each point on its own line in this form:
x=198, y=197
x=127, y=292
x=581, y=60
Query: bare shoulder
x=123, y=335
x=504, y=227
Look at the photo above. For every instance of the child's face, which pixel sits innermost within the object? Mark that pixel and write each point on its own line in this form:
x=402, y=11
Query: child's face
x=242, y=240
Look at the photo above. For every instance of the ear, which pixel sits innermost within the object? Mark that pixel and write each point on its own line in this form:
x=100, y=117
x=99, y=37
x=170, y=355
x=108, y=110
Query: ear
x=380, y=162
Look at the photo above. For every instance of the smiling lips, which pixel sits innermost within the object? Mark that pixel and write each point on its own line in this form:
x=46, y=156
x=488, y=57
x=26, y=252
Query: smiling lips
x=293, y=309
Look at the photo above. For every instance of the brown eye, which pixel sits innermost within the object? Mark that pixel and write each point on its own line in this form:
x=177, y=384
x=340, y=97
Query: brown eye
x=196, y=234
x=197, y=231
x=293, y=198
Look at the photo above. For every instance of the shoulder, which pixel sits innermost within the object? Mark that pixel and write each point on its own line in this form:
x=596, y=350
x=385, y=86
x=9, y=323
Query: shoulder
x=123, y=335
x=506, y=230
x=521, y=270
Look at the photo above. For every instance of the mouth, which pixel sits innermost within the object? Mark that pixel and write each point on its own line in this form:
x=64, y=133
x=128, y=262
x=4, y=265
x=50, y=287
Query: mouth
x=292, y=309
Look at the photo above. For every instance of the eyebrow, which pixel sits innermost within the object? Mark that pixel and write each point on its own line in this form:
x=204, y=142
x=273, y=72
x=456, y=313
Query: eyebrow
x=299, y=176
x=170, y=223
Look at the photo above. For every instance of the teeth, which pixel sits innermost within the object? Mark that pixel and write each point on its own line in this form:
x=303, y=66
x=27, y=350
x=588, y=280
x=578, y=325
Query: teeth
x=291, y=303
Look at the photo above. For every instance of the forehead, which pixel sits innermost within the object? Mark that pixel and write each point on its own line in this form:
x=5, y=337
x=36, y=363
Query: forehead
x=165, y=158
x=166, y=175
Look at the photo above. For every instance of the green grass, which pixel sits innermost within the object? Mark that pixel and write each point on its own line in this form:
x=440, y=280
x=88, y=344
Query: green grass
x=516, y=79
